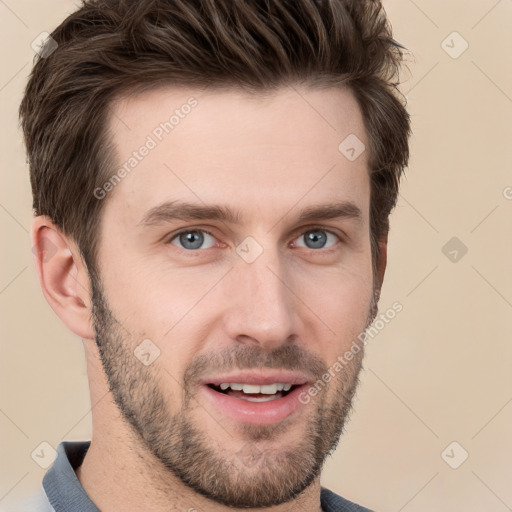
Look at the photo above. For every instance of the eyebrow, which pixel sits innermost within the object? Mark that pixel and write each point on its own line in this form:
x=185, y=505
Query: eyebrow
x=184, y=211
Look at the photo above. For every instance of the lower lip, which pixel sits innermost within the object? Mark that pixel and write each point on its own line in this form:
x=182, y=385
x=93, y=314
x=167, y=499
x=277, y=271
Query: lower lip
x=255, y=413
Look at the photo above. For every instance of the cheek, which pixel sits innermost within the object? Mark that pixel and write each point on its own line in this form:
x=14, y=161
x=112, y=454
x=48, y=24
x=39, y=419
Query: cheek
x=340, y=283
x=340, y=299
x=150, y=297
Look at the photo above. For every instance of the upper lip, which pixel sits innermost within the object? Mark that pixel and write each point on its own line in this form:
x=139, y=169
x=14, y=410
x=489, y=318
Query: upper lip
x=259, y=377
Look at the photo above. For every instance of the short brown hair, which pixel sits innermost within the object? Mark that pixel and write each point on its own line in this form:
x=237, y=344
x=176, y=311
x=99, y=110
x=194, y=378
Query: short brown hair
x=112, y=47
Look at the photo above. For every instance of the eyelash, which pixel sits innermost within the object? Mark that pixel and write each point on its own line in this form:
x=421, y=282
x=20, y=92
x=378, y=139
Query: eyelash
x=304, y=231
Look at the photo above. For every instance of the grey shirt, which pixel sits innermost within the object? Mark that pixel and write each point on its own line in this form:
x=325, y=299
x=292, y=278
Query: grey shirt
x=64, y=493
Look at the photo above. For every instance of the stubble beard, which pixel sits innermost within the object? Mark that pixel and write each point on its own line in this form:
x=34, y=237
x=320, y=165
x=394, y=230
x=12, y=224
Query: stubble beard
x=257, y=473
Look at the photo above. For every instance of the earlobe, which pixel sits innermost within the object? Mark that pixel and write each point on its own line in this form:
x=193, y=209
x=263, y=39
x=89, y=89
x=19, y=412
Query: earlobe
x=62, y=275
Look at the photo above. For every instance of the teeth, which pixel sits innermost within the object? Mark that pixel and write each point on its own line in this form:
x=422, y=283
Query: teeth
x=269, y=389
x=260, y=399
x=265, y=389
x=250, y=388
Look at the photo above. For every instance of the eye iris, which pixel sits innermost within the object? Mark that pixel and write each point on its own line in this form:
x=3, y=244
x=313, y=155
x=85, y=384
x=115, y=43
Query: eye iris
x=317, y=238
x=192, y=239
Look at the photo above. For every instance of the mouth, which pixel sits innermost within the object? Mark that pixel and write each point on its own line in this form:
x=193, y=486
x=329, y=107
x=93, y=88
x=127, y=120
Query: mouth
x=255, y=398
x=255, y=392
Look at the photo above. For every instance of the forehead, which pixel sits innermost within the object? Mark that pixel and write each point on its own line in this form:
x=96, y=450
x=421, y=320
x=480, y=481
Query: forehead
x=261, y=153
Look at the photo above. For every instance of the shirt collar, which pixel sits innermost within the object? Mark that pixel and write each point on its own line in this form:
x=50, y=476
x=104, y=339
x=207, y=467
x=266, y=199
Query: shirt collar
x=60, y=483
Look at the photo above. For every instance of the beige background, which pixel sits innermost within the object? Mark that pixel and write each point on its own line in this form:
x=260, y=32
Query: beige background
x=441, y=371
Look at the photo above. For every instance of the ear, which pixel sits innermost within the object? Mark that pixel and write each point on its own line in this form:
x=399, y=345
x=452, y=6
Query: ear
x=63, y=276
x=379, y=270
x=382, y=260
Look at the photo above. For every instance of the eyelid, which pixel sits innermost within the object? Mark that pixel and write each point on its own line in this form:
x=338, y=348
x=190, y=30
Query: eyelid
x=328, y=229
x=169, y=238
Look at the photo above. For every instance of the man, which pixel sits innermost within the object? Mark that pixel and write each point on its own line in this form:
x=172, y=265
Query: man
x=212, y=183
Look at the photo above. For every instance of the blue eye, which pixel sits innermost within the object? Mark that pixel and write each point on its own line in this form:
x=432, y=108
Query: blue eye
x=317, y=238
x=194, y=239
x=191, y=240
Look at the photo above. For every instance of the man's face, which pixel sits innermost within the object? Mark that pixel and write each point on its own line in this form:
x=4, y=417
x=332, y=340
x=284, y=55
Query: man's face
x=267, y=297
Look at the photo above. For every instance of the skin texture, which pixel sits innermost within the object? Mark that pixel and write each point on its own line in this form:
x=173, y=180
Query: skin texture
x=157, y=444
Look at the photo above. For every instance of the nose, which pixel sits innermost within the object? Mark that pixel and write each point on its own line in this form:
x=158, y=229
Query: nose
x=262, y=305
